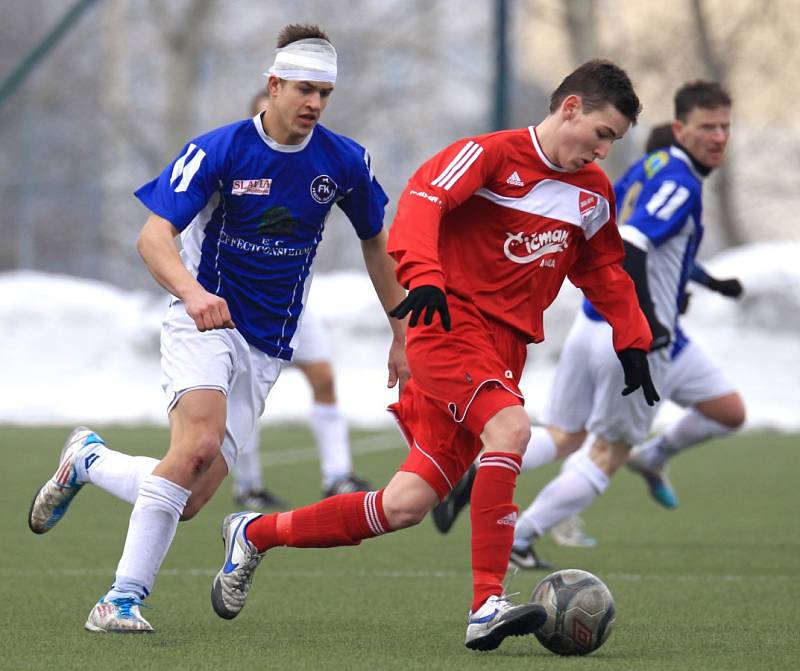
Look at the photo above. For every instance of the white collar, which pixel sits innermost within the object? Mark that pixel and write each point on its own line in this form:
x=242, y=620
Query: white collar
x=540, y=151
x=286, y=148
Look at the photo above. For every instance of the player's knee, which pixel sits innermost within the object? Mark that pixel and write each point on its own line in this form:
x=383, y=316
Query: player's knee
x=404, y=514
x=736, y=415
x=609, y=457
x=566, y=442
x=323, y=387
x=204, y=450
x=512, y=434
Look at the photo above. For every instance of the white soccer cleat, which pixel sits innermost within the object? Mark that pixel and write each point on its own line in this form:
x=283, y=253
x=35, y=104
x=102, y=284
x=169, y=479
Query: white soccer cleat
x=233, y=581
x=572, y=533
x=498, y=618
x=53, y=498
x=117, y=616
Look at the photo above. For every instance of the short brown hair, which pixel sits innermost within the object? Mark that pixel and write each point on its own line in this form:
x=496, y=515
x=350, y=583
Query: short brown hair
x=599, y=83
x=298, y=31
x=700, y=93
x=660, y=137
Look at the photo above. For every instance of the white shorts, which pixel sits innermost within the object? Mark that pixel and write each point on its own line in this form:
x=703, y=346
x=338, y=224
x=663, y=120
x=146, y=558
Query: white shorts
x=692, y=378
x=220, y=359
x=310, y=341
x=587, y=387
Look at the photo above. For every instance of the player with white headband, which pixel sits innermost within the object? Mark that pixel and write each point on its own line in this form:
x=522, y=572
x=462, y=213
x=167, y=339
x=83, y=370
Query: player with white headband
x=249, y=201
x=311, y=59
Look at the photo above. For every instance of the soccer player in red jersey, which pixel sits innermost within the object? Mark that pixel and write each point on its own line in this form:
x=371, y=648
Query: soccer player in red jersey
x=485, y=234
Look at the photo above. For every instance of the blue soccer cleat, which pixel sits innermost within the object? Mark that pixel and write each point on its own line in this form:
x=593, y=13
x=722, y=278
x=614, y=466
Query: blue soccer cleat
x=658, y=483
x=52, y=500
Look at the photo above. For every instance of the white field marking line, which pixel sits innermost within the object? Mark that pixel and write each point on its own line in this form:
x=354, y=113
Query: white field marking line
x=708, y=578
x=383, y=442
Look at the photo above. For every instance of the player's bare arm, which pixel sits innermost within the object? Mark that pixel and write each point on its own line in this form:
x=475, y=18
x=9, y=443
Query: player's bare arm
x=381, y=269
x=156, y=246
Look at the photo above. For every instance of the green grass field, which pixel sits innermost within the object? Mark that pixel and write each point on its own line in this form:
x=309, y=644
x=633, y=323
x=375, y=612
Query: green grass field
x=712, y=585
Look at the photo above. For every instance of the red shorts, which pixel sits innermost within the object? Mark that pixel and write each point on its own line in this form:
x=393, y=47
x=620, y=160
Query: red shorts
x=459, y=381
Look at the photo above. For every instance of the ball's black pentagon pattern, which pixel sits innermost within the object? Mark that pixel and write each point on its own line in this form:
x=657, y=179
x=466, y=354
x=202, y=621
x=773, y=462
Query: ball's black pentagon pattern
x=580, y=612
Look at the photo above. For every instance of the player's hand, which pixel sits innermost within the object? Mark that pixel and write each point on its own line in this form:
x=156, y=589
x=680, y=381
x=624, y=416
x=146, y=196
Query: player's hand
x=637, y=374
x=732, y=288
x=208, y=310
x=661, y=335
x=427, y=297
x=398, y=366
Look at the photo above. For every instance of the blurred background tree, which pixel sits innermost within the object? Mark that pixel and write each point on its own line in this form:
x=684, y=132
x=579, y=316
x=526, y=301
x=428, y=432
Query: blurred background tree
x=132, y=81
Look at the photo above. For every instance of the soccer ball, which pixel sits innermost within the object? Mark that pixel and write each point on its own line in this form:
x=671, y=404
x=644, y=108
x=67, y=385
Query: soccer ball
x=580, y=612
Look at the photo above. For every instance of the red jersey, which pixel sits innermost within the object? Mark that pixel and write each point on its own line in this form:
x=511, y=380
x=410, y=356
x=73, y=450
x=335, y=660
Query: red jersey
x=491, y=219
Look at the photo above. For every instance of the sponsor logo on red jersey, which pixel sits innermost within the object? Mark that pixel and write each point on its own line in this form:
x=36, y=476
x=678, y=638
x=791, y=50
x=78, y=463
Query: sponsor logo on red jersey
x=426, y=196
x=252, y=187
x=587, y=202
x=525, y=248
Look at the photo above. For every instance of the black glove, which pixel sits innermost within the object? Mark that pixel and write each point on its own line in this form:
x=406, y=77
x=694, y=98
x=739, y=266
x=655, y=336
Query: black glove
x=637, y=374
x=731, y=288
x=428, y=298
x=661, y=336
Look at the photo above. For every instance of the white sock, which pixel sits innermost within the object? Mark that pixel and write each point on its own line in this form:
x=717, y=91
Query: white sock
x=541, y=449
x=691, y=429
x=117, y=473
x=566, y=495
x=330, y=433
x=247, y=471
x=150, y=532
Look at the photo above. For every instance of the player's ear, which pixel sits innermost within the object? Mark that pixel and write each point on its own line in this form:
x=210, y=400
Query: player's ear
x=677, y=130
x=273, y=85
x=571, y=106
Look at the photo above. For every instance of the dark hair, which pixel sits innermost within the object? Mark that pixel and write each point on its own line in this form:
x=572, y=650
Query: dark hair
x=254, y=106
x=660, y=137
x=700, y=93
x=298, y=31
x=599, y=82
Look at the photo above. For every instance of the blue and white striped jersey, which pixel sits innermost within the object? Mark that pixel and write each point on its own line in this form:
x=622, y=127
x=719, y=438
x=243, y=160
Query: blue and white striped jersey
x=251, y=213
x=659, y=210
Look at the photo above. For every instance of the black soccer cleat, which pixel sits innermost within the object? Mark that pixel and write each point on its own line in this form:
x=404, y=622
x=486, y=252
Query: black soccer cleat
x=528, y=560
x=347, y=485
x=445, y=514
x=261, y=500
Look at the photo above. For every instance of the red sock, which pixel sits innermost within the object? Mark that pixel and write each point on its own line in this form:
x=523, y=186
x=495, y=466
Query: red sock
x=346, y=519
x=493, y=515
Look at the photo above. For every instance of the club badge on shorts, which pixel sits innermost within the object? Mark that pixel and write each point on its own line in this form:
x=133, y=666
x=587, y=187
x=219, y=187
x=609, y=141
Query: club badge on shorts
x=323, y=189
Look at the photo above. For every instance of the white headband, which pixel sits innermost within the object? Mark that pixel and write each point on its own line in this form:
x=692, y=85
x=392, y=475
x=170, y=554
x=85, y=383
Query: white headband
x=305, y=60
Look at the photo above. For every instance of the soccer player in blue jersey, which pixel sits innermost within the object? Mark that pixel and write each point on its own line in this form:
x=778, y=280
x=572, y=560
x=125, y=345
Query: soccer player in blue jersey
x=249, y=202
x=312, y=357
x=660, y=216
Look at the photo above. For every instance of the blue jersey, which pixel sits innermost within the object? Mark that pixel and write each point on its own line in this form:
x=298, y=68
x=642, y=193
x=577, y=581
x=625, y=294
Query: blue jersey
x=659, y=211
x=251, y=213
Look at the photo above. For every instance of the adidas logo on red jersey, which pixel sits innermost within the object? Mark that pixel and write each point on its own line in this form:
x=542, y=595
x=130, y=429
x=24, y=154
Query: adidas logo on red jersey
x=514, y=179
x=509, y=520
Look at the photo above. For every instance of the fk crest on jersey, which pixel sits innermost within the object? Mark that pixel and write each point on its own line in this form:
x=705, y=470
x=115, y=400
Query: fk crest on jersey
x=251, y=213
